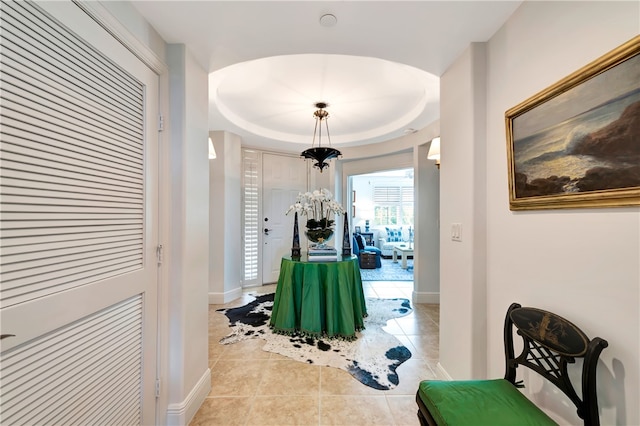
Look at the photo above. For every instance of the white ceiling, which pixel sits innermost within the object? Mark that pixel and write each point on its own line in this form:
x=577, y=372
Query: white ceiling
x=271, y=61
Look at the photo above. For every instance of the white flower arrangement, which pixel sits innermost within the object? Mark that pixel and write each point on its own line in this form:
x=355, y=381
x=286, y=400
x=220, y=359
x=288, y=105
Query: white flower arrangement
x=317, y=206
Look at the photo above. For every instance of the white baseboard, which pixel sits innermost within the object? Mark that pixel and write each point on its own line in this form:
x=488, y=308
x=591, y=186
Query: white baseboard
x=442, y=373
x=426, y=297
x=182, y=413
x=226, y=297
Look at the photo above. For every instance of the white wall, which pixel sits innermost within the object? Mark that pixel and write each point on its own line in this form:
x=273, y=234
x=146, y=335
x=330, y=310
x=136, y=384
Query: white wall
x=140, y=29
x=324, y=179
x=189, y=376
x=581, y=263
x=426, y=271
x=225, y=204
x=462, y=193
x=363, y=202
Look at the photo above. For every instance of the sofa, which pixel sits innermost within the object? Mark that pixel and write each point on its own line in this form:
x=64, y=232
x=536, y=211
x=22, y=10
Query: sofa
x=394, y=237
x=359, y=246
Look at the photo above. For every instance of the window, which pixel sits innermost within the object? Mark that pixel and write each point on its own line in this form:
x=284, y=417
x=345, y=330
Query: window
x=393, y=205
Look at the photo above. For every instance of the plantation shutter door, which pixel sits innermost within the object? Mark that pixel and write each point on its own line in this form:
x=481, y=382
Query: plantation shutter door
x=251, y=220
x=78, y=227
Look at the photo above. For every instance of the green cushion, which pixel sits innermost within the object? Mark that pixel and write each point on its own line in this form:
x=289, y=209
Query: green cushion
x=479, y=402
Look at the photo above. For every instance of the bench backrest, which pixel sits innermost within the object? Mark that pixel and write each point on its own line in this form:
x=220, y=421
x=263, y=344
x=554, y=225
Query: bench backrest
x=550, y=343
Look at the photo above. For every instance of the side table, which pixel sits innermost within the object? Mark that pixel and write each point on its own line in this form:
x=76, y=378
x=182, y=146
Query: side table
x=319, y=298
x=367, y=260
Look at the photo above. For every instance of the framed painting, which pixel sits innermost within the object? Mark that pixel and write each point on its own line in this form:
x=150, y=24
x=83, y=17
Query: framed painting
x=577, y=143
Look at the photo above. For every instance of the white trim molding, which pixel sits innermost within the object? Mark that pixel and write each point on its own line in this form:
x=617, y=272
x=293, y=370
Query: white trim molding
x=118, y=31
x=226, y=297
x=428, y=297
x=442, y=373
x=182, y=413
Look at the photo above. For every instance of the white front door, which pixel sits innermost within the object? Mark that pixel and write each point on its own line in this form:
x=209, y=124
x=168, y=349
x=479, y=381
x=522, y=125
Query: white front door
x=78, y=225
x=283, y=177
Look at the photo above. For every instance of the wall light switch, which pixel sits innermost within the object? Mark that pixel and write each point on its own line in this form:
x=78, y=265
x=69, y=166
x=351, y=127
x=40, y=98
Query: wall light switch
x=456, y=232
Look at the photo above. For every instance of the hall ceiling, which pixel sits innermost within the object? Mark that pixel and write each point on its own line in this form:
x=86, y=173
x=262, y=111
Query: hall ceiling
x=377, y=67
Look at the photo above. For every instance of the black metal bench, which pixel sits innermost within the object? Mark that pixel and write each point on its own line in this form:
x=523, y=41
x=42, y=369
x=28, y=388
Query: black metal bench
x=550, y=343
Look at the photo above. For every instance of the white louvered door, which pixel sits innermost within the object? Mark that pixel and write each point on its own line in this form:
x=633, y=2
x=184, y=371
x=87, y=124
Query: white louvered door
x=78, y=221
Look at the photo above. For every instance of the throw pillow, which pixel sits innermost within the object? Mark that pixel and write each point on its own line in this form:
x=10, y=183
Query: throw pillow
x=393, y=235
x=360, y=241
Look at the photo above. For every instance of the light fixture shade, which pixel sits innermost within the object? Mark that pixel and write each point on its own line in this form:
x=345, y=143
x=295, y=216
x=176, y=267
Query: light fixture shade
x=320, y=154
x=434, y=150
x=212, y=150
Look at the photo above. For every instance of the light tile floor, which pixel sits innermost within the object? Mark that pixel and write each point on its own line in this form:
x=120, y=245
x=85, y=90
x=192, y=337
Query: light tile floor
x=257, y=388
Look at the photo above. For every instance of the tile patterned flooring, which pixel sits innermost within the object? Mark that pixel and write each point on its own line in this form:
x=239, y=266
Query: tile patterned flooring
x=256, y=388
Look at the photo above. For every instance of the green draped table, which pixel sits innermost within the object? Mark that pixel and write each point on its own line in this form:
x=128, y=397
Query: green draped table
x=319, y=298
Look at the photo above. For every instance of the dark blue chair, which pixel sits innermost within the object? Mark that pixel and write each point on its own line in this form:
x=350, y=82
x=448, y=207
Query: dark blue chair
x=360, y=246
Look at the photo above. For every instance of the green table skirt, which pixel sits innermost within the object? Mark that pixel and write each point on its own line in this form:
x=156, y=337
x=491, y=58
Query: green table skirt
x=319, y=298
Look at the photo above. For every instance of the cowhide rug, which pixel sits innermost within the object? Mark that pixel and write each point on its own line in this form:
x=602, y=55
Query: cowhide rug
x=372, y=358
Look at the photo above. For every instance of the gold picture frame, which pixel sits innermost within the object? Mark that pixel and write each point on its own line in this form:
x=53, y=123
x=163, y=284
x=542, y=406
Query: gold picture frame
x=567, y=146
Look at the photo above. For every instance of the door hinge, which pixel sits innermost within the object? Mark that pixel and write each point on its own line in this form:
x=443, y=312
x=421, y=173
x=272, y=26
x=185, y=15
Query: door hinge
x=157, y=388
x=159, y=254
x=160, y=123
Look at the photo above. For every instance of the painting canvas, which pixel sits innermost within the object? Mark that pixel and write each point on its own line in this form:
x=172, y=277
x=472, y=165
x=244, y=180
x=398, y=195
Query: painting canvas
x=577, y=144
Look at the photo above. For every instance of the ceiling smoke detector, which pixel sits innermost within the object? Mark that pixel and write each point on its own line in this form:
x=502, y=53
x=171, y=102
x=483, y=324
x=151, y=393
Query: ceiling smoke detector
x=328, y=20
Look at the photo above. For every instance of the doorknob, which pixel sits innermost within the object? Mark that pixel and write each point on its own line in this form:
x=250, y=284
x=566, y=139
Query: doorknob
x=266, y=231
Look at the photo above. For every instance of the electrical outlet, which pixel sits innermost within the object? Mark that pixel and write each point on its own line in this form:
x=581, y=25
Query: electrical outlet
x=456, y=232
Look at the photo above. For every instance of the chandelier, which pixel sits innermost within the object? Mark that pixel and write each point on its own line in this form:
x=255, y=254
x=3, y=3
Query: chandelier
x=320, y=154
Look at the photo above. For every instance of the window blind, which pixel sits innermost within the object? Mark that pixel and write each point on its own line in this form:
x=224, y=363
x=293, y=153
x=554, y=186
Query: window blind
x=386, y=194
